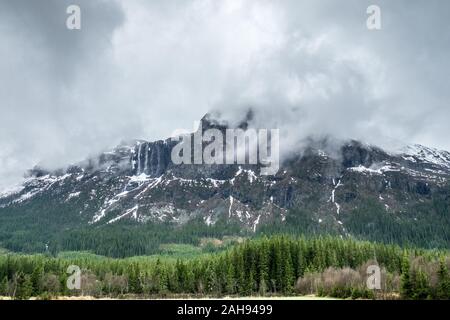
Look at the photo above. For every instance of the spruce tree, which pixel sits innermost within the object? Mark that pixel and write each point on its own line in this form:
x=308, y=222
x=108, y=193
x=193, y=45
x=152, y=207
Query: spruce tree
x=277, y=266
x=181, y=275
x=443, y=288
x=24, y=287
x=36, y=278
x=263, y=267
x=4, y=287
x=189, y=281
x=134, y=279
x=405, y=280
x=421, y=289
x=287, y=280
x=231, y=281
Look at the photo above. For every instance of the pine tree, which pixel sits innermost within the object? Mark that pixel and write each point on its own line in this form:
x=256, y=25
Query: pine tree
x=277, y=273
x=24, y=287
x=421, y=289
x=181, y=275
x=239, y=271
x=249, y=284
x=221, y=272
x=405, y=284
x=263, y=268
x=443, y=289
x=189, y=281
x=36, y=277
x=230, y=287
x=164, y=281
x=210, y=279
x=134, y=279
x=288, y=272
x=4, y=287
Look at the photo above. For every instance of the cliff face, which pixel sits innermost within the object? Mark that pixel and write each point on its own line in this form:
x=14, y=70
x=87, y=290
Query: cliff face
x=151, y=158
x=138, y=182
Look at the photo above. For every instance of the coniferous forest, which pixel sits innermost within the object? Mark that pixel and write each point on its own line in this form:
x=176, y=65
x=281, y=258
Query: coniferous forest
x=267, y=266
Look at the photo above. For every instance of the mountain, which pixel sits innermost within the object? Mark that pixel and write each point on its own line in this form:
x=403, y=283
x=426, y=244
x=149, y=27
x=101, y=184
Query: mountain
x=361, y=191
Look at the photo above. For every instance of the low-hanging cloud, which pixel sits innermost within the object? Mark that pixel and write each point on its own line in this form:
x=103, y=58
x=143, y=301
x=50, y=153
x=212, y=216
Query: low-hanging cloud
x=140, y=69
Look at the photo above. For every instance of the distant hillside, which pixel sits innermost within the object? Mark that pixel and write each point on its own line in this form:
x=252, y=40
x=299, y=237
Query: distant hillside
x=133, y=198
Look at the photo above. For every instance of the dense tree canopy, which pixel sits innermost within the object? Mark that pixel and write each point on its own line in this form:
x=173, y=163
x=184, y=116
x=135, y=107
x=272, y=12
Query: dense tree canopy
x=275, y=265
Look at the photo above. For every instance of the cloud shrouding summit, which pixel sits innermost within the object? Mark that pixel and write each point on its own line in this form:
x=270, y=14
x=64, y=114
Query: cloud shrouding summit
x=140, y=69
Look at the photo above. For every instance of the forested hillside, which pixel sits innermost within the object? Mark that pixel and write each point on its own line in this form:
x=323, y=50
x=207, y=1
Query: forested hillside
x=30, y=232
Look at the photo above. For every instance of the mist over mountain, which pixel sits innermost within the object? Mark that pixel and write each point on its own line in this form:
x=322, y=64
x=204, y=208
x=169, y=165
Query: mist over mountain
x=306, y=68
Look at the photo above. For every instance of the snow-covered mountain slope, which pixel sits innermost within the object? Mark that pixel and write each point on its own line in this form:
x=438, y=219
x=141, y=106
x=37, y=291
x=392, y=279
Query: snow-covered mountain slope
x=137, y=182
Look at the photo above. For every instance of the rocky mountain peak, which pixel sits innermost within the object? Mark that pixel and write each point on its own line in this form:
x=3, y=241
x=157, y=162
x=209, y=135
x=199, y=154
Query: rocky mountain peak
x=138, y=182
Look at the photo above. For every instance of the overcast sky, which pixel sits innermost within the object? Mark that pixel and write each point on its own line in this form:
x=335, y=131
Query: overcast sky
x=141, y=69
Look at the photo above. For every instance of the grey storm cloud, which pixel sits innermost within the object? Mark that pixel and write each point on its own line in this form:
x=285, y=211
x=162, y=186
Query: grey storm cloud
x=39, y=28
x=141, y=69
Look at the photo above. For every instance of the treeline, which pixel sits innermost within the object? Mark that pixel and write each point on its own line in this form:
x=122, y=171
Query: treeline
x=425, y=225
x=44, y=225
x=120, y=240
x=268, y=266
